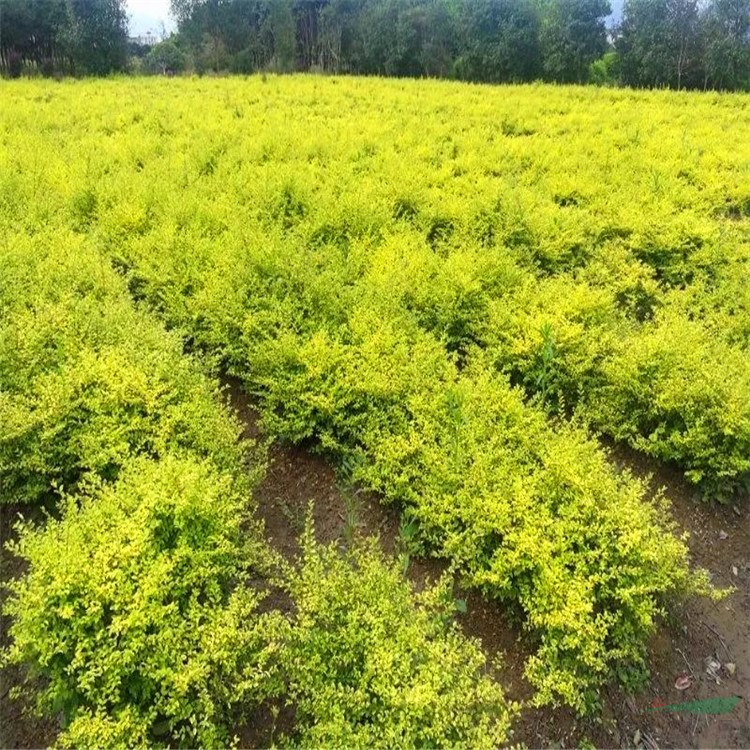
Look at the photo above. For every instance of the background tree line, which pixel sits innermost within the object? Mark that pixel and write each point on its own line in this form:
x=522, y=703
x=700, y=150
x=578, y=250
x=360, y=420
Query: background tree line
x=77, y=37
x=675, y=43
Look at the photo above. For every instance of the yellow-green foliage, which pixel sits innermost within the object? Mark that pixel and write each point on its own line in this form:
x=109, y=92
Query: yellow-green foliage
x=372, y=666
x=138, y=612
x=396, y=267
x=639, y=197
x=134, y=612
x=86, y=381
x=539, y=518
x=677, y=401
x=534, y=516
x=131, y=613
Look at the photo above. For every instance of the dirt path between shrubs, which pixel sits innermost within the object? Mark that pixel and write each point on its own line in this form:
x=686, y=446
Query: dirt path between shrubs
x=696, y=632
x=700, y=629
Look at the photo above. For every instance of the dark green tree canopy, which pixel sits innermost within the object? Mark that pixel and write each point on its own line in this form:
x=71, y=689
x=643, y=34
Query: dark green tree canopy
x=573, y=36
x=87, y=37
x=695, y=44
x=682, y=44
x=166, y=57
x=499, y=40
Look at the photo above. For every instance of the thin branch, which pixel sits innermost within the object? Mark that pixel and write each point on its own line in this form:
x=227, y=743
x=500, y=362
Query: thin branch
x=723, y=643
x=686, y=662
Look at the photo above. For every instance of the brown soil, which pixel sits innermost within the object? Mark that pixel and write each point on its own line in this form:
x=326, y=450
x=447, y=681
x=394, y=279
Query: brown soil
x=719, y=541
x=696, y=630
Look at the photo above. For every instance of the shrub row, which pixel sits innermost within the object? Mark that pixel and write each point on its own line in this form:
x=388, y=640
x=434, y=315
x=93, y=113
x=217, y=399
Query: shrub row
x=529, y=512
x=534, y=516
x=522, y=173
x=365, y=273
x=140, y=616
x=370, y=665
x=668, y=386
x=133, y=612
x=87, y=381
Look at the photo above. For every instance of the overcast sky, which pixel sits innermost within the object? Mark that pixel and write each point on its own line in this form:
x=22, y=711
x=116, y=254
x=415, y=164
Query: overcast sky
x=146, y=15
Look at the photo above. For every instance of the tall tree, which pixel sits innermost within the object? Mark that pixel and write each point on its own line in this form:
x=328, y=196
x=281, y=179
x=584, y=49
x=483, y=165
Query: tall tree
x=281, y=26
x=661, y=44
x=338, y=21
x=80, y=36
x=166, y=57
x=686, y=53
x=644, y=58
x=499, y=41
x=239, y=35
x=31, y=32
x=401, y=37
x=726, y=39
x=434, y=22
x=387, y=41
x=96, y=35
x=573, y=35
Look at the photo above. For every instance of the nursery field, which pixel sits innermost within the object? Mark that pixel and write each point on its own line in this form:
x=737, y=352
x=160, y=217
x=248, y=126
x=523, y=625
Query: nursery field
x=491, y=311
